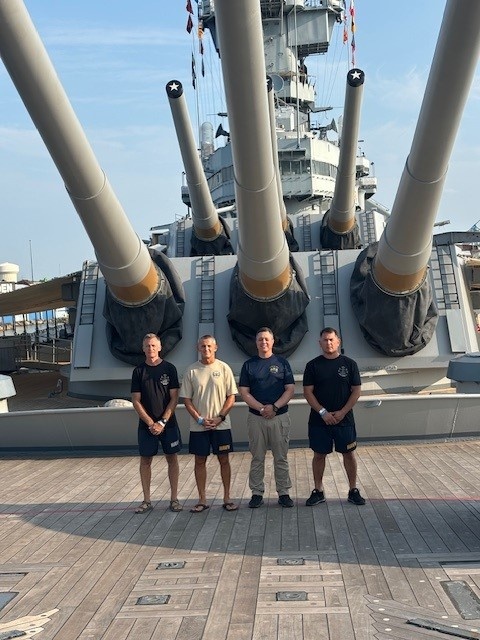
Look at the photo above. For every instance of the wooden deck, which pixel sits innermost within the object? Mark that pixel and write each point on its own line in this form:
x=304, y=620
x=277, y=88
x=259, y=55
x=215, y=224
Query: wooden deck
x=75, y=559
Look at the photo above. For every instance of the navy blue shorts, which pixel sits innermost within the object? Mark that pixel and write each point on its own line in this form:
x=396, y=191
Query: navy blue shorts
x=219, y=442
x=148, y=443
x=322, y=438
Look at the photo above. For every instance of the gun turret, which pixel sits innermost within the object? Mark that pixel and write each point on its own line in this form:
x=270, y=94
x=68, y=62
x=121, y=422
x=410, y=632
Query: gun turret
x=141, y=297
x=390, y=290
x=210, y=236
x=267, y=287
x=339, y=228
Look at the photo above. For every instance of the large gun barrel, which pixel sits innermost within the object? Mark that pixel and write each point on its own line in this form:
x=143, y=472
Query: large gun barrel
x=134, y=281
x=392, y=277
x=405, y=247
x=210, y=235
x=339, y=228
x=127, y=267
x=262, y=257
x=266, y=278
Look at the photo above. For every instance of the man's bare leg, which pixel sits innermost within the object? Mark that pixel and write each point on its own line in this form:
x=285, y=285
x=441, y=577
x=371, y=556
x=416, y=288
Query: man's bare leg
x=318, y=468
x=201, y=478
x=173, y=474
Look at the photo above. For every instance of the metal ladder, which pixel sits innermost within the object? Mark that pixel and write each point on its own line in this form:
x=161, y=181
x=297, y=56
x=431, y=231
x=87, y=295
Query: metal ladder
x=89, y=295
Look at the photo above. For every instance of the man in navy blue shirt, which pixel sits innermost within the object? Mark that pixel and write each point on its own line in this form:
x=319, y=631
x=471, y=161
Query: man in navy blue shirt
x=332, y=386
x=266, y=386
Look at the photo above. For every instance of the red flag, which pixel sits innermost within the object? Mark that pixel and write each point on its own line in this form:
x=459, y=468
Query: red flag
x=189, y=7
x=189, y=24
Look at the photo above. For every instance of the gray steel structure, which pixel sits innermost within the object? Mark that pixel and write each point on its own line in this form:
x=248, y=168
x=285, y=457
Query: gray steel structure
x=264, y=264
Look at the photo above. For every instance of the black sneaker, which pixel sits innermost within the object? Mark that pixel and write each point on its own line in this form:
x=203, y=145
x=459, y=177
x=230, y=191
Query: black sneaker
x=315, y=498
x=256, y=501
x=285, y=501
x=355, y=498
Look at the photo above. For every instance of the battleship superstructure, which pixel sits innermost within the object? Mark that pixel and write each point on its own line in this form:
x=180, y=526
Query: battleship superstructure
x=282, y=230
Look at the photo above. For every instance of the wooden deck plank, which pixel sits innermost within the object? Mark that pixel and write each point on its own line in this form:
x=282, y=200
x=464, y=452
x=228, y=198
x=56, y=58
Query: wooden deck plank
x=73, y=534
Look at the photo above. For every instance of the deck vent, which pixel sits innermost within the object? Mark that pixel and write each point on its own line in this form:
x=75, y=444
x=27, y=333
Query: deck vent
x=171, y=565
x=160, y=599
x=290, y=562
x=291, y=596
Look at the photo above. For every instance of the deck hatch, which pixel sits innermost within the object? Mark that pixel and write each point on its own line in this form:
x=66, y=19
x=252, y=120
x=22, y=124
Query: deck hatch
x=291, y=596
x=156, y=599
x=6, y=635
x=6, y=597
x=443, y=628
x=171, y=565
x=466, y=602
x=290, y=562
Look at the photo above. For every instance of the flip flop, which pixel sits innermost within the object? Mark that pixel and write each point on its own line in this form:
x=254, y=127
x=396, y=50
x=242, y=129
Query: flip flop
x=144, y=507
x=230, y=506
x=175, y=506
x=198, y=508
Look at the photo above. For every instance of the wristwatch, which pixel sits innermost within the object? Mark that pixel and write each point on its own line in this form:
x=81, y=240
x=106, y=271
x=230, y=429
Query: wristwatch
x=275, y=408
x=222, y=417
x=323, y=411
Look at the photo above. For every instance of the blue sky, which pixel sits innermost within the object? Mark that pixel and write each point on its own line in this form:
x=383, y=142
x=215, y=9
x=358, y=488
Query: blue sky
x=114, y=59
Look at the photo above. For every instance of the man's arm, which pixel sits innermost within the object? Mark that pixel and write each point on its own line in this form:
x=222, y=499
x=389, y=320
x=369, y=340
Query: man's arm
x=352, y=400
x=249, y=399
x=286, y=396
x=139, y=408
x=310, y=398
x=172, y=403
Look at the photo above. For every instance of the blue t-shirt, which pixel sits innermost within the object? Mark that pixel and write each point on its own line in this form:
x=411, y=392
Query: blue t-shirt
x=266, y=378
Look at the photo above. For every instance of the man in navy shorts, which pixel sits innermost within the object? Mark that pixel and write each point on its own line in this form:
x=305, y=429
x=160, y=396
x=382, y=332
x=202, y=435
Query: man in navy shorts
x=332, y=386
x=208, y=390
x=154, y=396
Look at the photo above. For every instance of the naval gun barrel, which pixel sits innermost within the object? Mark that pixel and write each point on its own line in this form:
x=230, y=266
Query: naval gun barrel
x=133, y=279
x=262, y=257
x=127, y=267
x=339, y=228
x=287, y=226
x=265, y=277
x=210, y=236
x=393, y=276
x=405, y=247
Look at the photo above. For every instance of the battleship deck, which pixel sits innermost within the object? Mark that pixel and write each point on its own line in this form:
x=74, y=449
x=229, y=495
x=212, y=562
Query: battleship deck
x=76, y=559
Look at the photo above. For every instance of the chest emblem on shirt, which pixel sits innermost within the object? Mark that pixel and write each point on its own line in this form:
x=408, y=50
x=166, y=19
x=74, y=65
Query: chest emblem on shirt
x=216, y=374
x=343, y=372
x=274, y=368
x=165, y=379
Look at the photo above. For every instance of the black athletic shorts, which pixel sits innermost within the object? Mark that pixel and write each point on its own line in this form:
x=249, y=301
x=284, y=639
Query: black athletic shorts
x=148, y=443
x=322, y=438
x=201, y=442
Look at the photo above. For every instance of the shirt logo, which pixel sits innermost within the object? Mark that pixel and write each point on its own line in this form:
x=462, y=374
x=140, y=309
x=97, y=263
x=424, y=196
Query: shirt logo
x=216, y=374
x=343, y=372
x=274, y=368
x=165, y=379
